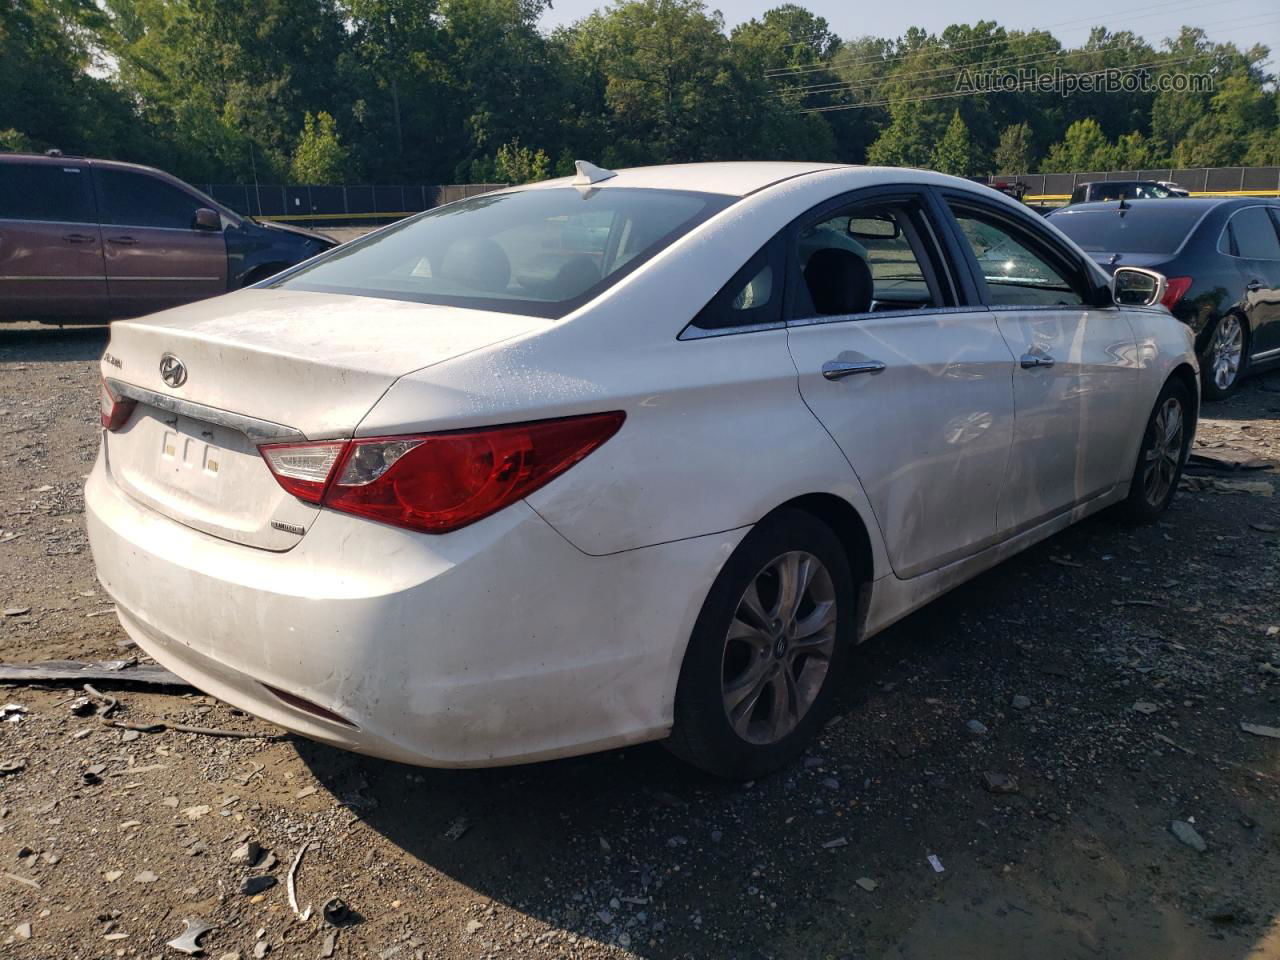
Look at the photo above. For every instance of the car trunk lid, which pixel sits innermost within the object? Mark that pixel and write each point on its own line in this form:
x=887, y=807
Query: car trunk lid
x=263, y=366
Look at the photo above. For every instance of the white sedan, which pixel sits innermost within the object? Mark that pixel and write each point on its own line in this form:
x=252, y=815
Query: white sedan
x=623, y=457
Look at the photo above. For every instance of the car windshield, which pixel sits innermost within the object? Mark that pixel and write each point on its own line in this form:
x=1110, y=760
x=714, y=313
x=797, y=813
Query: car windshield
x=1149, y=228
x=541, y=252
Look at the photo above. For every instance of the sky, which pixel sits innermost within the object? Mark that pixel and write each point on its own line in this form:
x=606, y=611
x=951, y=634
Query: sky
x=1243, y=22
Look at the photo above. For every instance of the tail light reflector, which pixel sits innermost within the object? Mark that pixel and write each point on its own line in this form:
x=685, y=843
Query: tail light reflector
x=1175, y=290
x=438, y=482
x=114, y=411
x=303, y=468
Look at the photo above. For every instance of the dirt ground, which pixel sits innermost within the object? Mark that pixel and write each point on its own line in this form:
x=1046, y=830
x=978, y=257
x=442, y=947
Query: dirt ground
x=1111, y=669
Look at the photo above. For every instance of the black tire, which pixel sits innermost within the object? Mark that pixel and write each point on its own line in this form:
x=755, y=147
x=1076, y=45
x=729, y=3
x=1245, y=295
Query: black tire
x=1151, y=489
x=702, y=733
x=1209, y=387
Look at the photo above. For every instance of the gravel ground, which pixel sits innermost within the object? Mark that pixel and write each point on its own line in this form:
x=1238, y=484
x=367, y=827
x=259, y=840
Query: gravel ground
x=1108, y=670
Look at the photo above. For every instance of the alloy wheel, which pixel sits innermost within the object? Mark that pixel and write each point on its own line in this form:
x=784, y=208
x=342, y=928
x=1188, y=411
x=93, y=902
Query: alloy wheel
x=778, y=648
x=1226, y=351
x=1164, y=450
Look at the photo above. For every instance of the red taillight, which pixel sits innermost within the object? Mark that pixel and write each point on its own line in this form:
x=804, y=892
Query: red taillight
x=1177, y=289
x=113, y=411
x=438, y=482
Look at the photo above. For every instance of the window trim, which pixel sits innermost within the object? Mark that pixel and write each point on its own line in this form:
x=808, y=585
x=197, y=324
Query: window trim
x=936, y=266
x=1233, y=245
x=1045, y=246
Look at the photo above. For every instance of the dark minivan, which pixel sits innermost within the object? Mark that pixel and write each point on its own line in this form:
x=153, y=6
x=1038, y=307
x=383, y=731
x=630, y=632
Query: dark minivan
x=1222, y=259
x=1122, y=190
x=91, y=240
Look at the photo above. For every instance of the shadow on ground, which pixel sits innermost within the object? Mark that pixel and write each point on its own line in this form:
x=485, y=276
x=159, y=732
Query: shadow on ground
x=37, y=343
x=633, y=848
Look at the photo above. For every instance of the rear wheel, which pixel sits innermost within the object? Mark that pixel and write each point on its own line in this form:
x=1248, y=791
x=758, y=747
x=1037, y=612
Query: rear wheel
x=767, y=648
x=1223, y=361
x=1164, y=450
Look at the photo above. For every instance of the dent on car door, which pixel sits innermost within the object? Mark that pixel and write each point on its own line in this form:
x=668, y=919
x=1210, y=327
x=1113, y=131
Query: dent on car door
x=1076, y=382
x=913, y=386
x=155, y=255
x=1258, y=248
x=50, y=243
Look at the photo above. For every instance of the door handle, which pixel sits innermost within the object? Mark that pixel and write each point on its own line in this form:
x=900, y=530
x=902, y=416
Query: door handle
x=839, y=369
x=1030, y=360
x=1253, y=285
x=124, y=241
x=77, y=238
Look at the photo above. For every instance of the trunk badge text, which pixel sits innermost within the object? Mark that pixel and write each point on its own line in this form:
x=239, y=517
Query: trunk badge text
x=172, y=370
x=289, y=527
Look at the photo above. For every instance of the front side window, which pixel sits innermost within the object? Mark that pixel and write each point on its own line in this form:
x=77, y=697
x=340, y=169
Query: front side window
x=46, y=191
x=137, y=200
x=540, y=252
x=1255, y=235
x=866, y=258
x=1016, y=273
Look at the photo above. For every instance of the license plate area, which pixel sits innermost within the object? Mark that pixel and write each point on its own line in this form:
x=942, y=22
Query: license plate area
x=206, y=476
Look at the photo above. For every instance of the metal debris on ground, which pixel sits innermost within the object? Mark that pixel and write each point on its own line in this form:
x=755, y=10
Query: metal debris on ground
x=336, y=912
x=1260, y=730
x=99, y=670
x=291, y=879
x=188, y=941
x=935, y=863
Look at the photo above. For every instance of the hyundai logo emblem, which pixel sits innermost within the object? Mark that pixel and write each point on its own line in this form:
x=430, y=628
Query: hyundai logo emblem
x=173, y=371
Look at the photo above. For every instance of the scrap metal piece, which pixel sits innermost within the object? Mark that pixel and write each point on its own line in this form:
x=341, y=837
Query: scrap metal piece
x=291, y=879
x=187, y=942
x=99, y=670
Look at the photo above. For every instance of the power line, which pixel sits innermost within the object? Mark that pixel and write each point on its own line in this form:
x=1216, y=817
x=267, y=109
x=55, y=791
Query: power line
x=978, y=43
x=1015, y=61
x=975, y=93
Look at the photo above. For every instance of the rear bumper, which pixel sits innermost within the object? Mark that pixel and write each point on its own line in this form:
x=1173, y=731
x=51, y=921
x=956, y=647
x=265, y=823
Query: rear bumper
x=500, y=643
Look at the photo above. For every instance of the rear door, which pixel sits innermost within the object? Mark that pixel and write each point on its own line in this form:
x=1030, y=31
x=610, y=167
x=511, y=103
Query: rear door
x=1258, y=260
x=1076, y=378
x=155, y=256
x=914, y=386
x=50, y=243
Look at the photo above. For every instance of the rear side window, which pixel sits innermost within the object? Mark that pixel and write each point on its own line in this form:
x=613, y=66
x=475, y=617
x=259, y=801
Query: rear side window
x=540, y=252
x=1019, y=270
x=752, y=298
x=1255, y=235
x=46, y=191
x=137, y=200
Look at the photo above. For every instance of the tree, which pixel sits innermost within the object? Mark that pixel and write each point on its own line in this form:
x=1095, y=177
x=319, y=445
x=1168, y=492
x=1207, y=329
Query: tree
x=1013, y=155
x=905, y=143
x=516, y=164
x=1082, y=149
x=320, y=156
x=954, y=152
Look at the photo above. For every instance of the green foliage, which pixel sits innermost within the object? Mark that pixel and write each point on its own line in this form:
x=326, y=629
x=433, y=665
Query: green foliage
x=516, y=164
x=954, y=152
x=320, y=156
x=438, y=90
x=1013, y=155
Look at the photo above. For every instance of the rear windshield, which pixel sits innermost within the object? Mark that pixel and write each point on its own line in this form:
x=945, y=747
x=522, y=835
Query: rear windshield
x=538, y=252
x=1144, y=228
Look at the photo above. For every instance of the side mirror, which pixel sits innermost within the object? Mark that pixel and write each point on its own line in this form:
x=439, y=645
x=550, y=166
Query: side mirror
x=1136, y=287
x=206, y=219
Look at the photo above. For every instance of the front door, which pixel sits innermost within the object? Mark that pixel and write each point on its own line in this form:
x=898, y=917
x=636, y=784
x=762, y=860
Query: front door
x=1076, y=373
x=915, y=389
x=155, y=255
x=50, y=244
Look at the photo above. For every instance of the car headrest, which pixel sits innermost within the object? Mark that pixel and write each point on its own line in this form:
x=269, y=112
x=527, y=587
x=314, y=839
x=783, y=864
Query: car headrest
x=479, y=263
x=839, y=281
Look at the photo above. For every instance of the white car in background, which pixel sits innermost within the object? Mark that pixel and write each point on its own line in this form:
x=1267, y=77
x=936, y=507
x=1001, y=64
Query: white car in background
x=618, y=458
